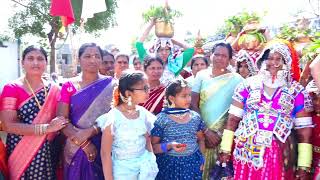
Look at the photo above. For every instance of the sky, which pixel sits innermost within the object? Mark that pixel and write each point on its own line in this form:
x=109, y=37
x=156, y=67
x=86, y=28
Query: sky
x=203, y=15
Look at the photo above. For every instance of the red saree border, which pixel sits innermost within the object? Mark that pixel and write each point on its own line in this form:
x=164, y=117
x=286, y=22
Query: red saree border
x=28, y=147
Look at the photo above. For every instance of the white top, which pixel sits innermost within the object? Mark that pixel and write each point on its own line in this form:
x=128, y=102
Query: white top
x=128, y=134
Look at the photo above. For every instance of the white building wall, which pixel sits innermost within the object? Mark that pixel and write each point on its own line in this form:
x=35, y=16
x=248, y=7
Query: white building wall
x=8, y=63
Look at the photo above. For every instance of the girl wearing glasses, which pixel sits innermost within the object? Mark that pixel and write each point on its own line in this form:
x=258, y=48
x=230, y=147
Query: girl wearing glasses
x=126, y=149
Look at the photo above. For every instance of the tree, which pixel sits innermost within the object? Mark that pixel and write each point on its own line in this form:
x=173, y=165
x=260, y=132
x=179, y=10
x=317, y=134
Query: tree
x=35, y=16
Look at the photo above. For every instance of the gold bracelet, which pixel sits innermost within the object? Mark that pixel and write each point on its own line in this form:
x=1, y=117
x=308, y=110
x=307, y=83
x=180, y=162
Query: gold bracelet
x=86, y=145
x=83, y=143
x=44, y=128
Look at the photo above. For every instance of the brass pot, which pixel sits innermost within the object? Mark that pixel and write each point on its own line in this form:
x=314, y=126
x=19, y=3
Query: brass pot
x=164, y=29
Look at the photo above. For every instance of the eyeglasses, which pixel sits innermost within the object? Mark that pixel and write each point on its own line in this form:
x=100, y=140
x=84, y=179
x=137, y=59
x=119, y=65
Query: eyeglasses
x=145, y=88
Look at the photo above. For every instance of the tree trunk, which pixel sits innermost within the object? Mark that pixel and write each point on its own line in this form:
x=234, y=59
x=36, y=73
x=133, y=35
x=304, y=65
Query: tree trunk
x=52, y=58
x=52, y=36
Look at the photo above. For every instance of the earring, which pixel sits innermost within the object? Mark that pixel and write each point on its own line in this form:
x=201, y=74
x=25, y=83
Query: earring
x=129, y=101
x=123, y=99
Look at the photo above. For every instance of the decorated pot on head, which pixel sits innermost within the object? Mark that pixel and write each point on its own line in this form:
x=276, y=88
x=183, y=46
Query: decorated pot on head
x=252, y=38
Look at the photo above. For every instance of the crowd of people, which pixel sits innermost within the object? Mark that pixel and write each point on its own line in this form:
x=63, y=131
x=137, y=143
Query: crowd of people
x=173, y=115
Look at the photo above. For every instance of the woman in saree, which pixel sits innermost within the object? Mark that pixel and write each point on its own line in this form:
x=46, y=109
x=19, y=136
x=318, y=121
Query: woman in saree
x=211, y=97
x=153, y=67
x=83, y=100
x=28, y=111
x=4, y=174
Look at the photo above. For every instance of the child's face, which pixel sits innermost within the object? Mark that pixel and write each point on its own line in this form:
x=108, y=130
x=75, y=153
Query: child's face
x=140, y=92
x=182, y=99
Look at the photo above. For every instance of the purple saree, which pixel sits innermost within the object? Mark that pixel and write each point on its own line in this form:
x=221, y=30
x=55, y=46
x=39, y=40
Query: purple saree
x=86, y=105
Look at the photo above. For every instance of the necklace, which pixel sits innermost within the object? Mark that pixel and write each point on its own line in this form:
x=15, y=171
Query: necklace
x=35, y=97
x=180, y=117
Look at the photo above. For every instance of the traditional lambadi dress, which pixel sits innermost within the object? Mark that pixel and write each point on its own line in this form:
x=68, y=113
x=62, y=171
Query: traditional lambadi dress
x=179, y=165
x=266, y=125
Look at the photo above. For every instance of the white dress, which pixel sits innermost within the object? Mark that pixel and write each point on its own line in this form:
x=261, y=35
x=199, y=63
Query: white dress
x=130, y=158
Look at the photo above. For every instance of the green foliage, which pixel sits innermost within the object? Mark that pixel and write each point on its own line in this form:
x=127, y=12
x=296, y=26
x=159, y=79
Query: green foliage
x=288, y=33
x=100, y=21
x=310, y=52
x=161, y=13
x=292, y=33
x=33, y=18
x=235, y=23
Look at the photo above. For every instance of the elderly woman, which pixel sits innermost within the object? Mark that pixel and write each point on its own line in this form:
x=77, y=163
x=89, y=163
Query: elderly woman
x=83, y=99
x=174, y=61
x=265, y=110
x=28, y=110
x=211, y=97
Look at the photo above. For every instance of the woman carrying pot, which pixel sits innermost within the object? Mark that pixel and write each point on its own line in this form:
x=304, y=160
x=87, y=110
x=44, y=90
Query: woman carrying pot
x=164, y=48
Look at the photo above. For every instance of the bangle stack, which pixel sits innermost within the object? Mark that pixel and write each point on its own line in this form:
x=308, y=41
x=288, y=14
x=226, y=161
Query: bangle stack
x=84, y=144
x=40, y=129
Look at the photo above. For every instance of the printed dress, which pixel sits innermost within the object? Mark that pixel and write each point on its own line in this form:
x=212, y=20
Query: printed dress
x=179, y=165
x=130, y=158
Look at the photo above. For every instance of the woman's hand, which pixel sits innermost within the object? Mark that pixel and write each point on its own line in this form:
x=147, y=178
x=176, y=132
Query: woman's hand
x=57, y=124
x=91, y=151
x=212, y=138
x=81, y=136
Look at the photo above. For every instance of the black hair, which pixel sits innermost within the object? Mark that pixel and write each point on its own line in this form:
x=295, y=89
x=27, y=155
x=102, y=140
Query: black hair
x=222, y=44
x=194, y=58
x=175, y=87
x=107, y=53
x=128, y=79
x=135, y=58
x=149, y=59
x=87, y=45
x=122, y=55
x=34, y=48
